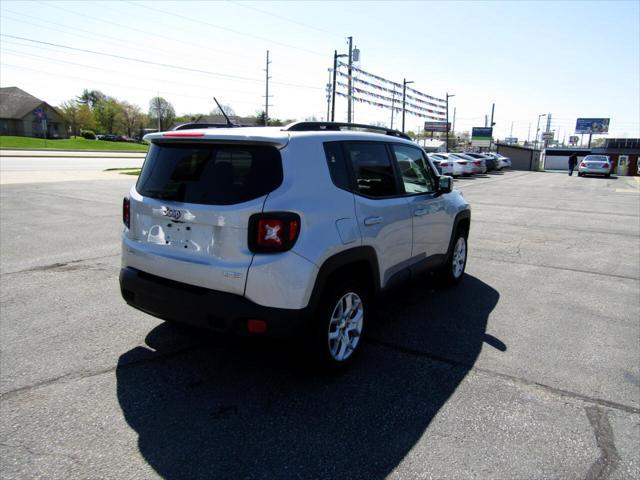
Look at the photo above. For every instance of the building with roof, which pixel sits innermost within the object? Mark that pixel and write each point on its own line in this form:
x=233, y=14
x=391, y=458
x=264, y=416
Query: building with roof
x=22, y=114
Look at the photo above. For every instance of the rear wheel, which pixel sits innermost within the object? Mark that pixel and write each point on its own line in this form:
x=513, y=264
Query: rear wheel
x=339, y=325
x=453, y=269
x=608, y=175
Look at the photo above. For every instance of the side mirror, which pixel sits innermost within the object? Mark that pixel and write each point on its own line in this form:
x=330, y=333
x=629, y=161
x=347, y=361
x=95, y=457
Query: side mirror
x=445, y=184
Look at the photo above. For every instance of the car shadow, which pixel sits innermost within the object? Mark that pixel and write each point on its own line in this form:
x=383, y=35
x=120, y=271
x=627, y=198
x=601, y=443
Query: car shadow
x=214, y=407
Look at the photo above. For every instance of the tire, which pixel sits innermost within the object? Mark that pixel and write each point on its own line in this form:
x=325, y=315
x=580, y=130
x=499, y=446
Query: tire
x=453, y=269
x=608, y=175
x=339, y=325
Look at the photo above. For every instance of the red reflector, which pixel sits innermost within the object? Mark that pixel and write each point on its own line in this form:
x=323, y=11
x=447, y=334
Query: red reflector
x=294, y=226
x=270, y=232
x=126, y=211
x=256, y=326
x=183, y=134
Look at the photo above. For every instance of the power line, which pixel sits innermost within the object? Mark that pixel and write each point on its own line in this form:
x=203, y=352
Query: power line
x=84, y=65
x=153, y=91
x=305, y=25
x=159, y=64
x=237, y=32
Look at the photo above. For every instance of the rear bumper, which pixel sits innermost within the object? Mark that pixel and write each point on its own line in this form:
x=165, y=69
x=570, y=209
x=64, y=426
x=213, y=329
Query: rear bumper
x=204, y=308
x=598, y=171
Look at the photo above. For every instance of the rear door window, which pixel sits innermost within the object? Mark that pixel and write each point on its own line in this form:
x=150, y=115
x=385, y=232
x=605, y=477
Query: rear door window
x=372, y=169
x=210, y=174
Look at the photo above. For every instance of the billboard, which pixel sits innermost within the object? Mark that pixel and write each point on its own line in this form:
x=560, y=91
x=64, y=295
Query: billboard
x=592, y=125
x=437, y=126
x=481, y=136
x=573, y=140
x=511, y=139
x=547, y=136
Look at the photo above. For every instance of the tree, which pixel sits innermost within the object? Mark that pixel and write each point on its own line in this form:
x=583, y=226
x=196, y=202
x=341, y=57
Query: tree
x=86, y=118
x=91, y=97
x=69, y=111
x=161, y=113
x=227, y=109
x=107, y=112
x=131, y=117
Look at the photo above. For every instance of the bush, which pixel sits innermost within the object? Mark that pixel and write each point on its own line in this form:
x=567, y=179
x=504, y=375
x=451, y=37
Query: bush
x=88, y=134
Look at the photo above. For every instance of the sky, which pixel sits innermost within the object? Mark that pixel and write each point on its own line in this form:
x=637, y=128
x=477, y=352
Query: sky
x=568, y=59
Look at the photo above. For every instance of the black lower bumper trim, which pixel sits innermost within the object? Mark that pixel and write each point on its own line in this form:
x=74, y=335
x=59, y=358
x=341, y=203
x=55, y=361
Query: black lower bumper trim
x=204, y=308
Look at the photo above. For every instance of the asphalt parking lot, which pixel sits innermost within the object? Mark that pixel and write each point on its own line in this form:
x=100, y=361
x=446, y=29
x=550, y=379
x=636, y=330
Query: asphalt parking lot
x=529, y=369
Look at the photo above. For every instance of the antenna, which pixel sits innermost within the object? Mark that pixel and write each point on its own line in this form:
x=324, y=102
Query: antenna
x=225, y=115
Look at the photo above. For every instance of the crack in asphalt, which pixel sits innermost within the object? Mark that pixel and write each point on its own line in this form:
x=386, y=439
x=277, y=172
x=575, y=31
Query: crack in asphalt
x=609, y=459
x=512, y=378
x=577, y=270
x=63, y=266
x=398, y=348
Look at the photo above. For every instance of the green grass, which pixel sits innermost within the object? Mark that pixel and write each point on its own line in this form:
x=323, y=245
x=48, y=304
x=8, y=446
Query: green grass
x=125, y=170
x=69, y=144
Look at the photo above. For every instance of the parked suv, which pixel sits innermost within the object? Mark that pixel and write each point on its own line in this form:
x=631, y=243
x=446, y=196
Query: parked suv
x=281, y=231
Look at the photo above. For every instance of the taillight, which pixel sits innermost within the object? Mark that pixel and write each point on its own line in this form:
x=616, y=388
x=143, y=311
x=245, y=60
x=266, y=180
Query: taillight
x=605, y=165
x=477, y=163
x=462, y=162
x=584, y=165
x=444, y=164
x=273, y=232
x=126, y=212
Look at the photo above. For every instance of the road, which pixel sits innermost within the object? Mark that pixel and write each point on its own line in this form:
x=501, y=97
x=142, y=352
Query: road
x=529, y=369
x=18, y=167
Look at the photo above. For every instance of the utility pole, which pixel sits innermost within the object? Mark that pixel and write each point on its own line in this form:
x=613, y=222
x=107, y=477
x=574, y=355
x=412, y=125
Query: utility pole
x=333, y=91
x=511, y=132
x=529, y=132
x=405, y=82
x=393, y=105
x=446, y=123
x=328, y=95
x=266, y=98
x=349, y=98
x=486, y=120
x=493, y=107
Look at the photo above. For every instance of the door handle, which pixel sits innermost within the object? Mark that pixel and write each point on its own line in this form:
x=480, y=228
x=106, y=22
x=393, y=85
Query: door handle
x=420, y=212
x=372, y=220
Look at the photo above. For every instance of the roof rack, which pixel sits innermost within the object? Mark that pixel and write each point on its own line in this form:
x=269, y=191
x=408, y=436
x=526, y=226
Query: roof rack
x=339, y=126
x=191, y=126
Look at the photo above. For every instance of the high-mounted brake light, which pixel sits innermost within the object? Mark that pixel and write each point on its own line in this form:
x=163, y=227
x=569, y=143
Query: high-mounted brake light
x=273, y=232
x=183, y=134
x=126, y=212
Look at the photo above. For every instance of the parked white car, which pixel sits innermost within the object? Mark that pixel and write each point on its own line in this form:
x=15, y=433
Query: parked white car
x=477, y=165
x=455, y=166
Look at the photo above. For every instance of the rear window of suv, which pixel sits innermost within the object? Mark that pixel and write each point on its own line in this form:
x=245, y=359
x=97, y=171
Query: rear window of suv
x=210, y=174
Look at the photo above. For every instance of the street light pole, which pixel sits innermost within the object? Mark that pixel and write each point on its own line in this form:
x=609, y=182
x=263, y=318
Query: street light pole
x=350, y=98
x=405, y=82
x=538, y=128
x=446, y=124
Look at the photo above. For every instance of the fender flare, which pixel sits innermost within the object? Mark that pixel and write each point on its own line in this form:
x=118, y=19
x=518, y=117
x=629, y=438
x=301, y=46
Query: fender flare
x=361, y=254
x=462, y=215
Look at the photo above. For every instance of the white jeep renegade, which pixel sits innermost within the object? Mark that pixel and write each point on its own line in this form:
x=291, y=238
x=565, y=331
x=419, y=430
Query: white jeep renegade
x=286, y=230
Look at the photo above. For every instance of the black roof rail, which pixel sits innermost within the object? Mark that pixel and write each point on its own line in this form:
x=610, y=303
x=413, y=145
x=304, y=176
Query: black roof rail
x=339, y=126
x=191, y=126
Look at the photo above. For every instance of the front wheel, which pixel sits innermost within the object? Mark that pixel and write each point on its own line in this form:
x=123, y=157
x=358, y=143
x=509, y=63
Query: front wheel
x=453, y=269
x=339, y=325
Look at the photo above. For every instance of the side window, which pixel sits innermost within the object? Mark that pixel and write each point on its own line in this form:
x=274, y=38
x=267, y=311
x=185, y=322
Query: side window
x=336, y=164
x=416, y=176
x=372, y=169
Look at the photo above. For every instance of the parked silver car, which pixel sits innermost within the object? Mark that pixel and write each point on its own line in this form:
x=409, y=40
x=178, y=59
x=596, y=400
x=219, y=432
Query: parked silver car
x=595, y=165
x=286, y=230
